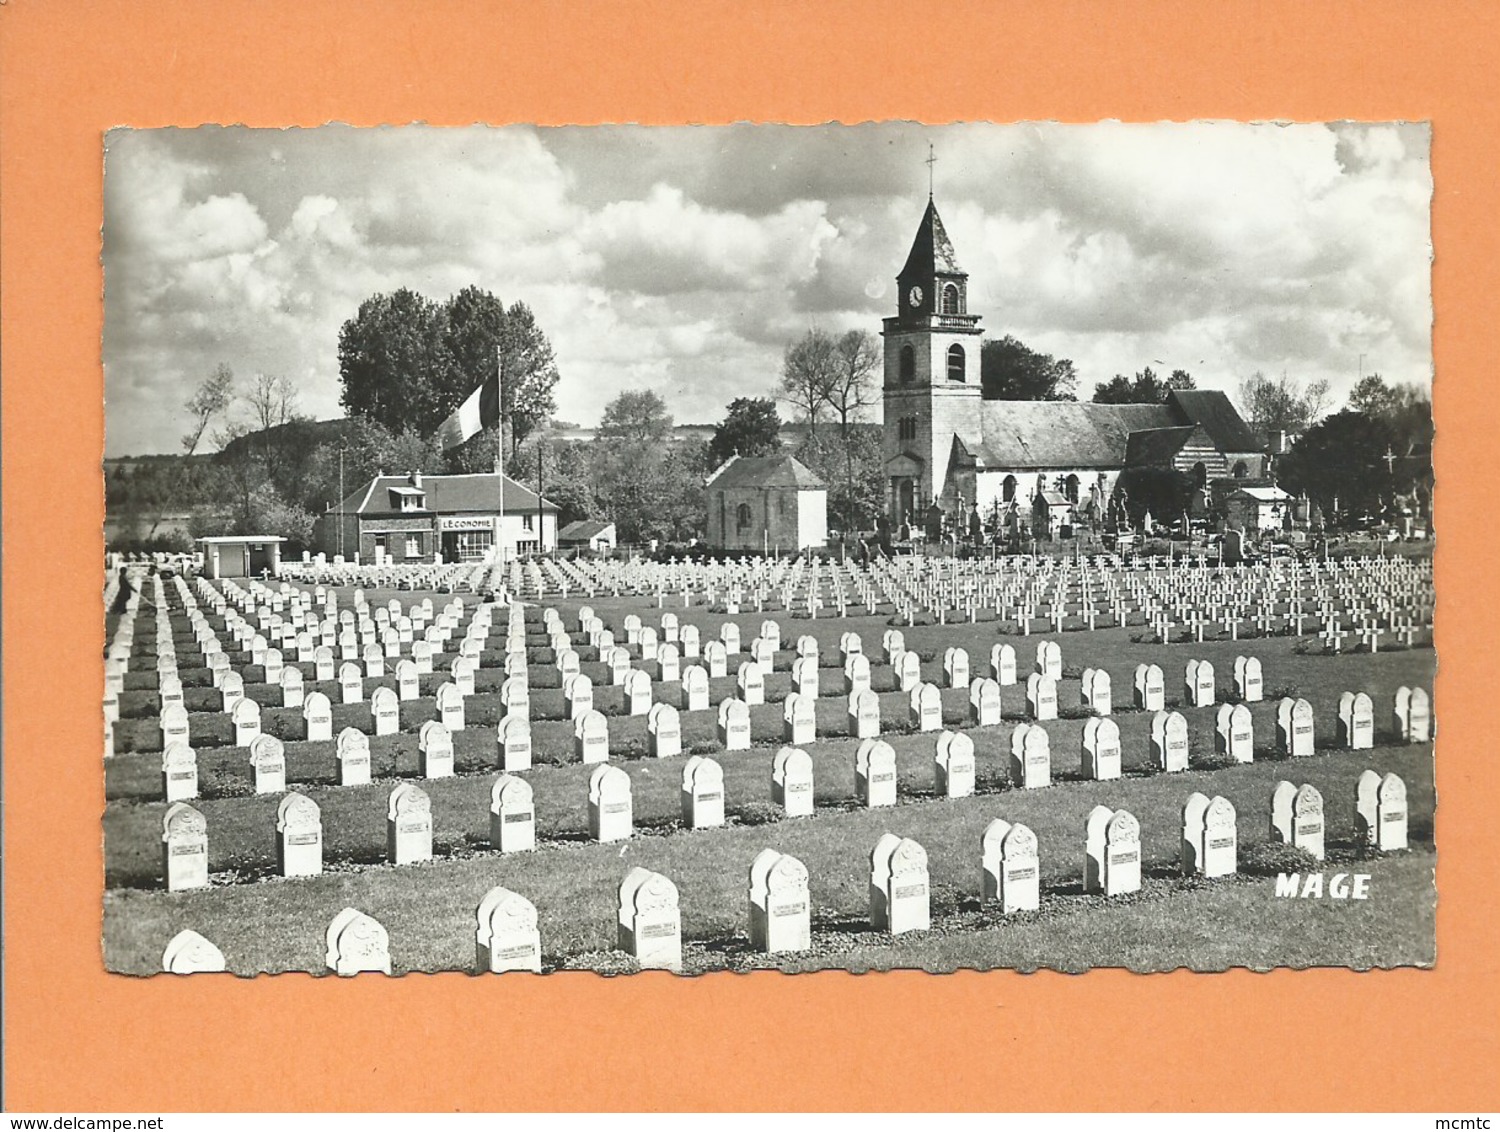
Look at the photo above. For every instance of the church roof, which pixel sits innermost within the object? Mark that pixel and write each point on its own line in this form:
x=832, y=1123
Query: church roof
x=932, y=251
x=765, y=471
x=1062, y=434
x=1212, y=409
x=1152, y=447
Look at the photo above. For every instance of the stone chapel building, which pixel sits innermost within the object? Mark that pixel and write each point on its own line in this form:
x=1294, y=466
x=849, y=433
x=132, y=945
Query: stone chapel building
x=944, y=441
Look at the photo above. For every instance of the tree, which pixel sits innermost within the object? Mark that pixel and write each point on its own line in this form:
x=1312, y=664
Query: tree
x=1145, y=388
x=407, y=361
x=1338, y=464
x=1009, y=370
x=482, y=333
x=751, y=427
x=210, y=400
x=850, y=393
x=1281, y=405
x=809, y=371
x=631, y=465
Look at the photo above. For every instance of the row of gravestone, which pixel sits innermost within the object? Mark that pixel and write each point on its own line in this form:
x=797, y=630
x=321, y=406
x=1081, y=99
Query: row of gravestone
x=1030, y=744
x=299, y=830
x=649, y=924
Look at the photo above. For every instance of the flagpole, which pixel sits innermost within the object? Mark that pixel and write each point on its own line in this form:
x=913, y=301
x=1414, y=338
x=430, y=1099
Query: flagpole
x=500, y=452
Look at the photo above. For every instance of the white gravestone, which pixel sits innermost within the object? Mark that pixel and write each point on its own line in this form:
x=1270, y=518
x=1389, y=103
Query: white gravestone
x=1294, y=727
x=1049, y=660
x=1112, y=864
x=515, y=696
x=506, y=936
x=650, y=923
x=752, y=683
x=1101, y=749
x=716, y=660
x=408, y=682
x=1030, y=757
x=189, y=953
x=729, y=635
x=805, y=676
x=1297, y=817
x=175, y=727
x=1209, y=840
x=956, y=667
x=351, y=683
x=984, y=702
x=1169, y=741
x=450, y=706
x=664, y=729
x=953, y=765
x=908, y=670
x=513, y=744
x=1380, y=811
x=899, y=894
x=1234, y=732
x=1011, y=867
x=268, y=764
x=591, y=738
x=668, y=664
x=408, y=825
x=1096, y=691
x=435, y=750
x=1198, y=685
x=892, y=644
x=875, y=774
x=385, y=711
x=1041, y=697
x=1356, y=721
x=184, y=845
x=780, y=903
x=618, y=662
x=925, y=708
x=291, y=688
x=578, y=691
x=179, y=773
x=799, y=719
x=734, y=725
x=687, y=637
x=512, y=815
x=609, y=804
x=864, y=714
x=1413, y=715
x=702, y=793
x=1150, y=688
x=695, y=687
x=232, y=691
x=856, y=674
x=299, y=837
x=792, y=782
x=1248, y=685
x=357, y=943
x=352, y=749
x=1003, y=665
x=636, y=690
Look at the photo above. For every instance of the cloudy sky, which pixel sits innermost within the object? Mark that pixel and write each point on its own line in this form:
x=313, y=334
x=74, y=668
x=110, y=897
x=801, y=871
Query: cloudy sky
x=685, y=259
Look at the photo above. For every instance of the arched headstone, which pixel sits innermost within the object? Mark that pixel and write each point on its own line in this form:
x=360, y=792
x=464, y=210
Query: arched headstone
x=505, y=935
x=875, y=774
x=650, y=923
x=352, y=750
x=357, y=943
x=610, y=813
x=1010, y=866
x=899, y=895
x=792, y=782
x=299, y=837
x=1101, y=749
x=435, y=750
x=702, y=793
x=184, y=845
x=408, y=826
x=953, y=765
x=780, y=904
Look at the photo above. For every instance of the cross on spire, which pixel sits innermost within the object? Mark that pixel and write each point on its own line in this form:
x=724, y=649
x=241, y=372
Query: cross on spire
x=930, y=162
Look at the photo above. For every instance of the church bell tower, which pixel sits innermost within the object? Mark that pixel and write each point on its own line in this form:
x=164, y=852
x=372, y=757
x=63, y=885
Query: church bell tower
x=932, y=390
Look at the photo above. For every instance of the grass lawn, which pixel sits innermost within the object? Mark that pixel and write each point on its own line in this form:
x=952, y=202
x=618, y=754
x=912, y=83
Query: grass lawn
x=263, y=923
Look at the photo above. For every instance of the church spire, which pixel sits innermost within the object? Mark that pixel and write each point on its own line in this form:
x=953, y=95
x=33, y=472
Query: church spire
x=931, y=252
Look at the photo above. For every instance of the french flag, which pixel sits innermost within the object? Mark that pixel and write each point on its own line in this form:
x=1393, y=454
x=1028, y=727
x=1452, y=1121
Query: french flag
x=480, y=410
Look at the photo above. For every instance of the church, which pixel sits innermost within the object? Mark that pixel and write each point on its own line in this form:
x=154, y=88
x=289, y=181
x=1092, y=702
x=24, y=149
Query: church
x=945, y=442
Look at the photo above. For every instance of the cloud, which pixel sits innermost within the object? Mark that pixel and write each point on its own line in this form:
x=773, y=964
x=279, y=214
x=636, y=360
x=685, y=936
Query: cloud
x=687, y=259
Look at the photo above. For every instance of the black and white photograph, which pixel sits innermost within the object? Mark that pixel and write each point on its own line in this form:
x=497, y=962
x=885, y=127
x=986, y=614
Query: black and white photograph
x=724, y=548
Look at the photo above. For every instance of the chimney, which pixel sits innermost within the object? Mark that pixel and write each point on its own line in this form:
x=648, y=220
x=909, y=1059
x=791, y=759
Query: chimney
x=416, y=479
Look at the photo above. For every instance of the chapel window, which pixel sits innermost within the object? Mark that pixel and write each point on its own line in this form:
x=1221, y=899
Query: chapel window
x=950, y=299
x=742, y=517
x=908, y=365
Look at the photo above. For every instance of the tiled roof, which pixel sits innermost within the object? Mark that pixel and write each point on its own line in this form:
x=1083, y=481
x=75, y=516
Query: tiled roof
x=581, y=529
x=478, y=493
x=931, y=251
x=1062, y=434
x=1212, y=409
x=765, y=471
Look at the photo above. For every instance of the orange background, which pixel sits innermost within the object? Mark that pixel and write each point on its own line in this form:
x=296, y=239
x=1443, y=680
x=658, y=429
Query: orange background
x=76, y=1039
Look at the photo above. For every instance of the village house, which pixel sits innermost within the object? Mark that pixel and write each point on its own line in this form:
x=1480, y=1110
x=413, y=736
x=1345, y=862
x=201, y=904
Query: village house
x=419, y=518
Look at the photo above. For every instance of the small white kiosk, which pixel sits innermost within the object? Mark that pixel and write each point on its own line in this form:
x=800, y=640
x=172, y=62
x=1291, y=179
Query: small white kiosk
x=241, y=556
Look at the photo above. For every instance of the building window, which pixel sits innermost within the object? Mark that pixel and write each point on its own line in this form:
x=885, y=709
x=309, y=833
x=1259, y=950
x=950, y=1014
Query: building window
x=413, y=502
x=742, y=517
x=908, y=365
x=413, y=546
x=950, y=299
x=906, y=428
x=1070, y=489
x=1241, y=470
x=781, y=506
x=526, y=521
x=956, y=363
x=1008, y=489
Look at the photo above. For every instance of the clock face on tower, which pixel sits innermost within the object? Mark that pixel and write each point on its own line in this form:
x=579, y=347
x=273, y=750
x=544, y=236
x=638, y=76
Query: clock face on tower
x=914, y=296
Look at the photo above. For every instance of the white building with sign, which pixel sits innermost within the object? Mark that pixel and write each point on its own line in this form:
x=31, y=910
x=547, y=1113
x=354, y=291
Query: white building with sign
x=421, y=518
